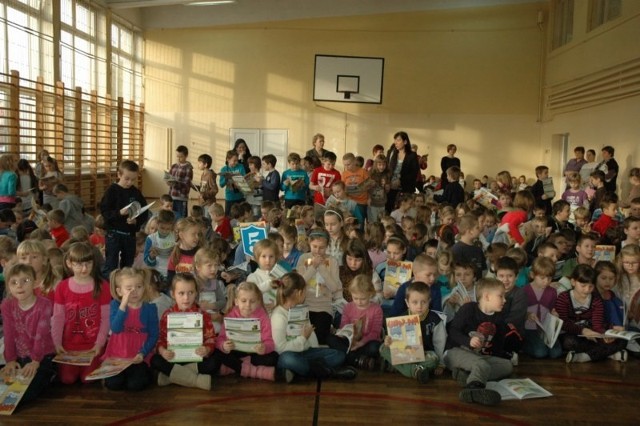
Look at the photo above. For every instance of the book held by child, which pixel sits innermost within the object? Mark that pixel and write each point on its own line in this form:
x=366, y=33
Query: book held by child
x=184, y=335
x=244, y=333
x=406, y=334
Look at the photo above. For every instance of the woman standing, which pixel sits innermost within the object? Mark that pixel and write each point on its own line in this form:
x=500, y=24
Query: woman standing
x=242, y=149
x=403, y=164
x=318, y=150
x=447, y=161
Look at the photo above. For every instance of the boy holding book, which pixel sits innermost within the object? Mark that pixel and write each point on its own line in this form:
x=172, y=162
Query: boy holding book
x=208, y=187
x=120, y=245
x=425, y=269
x=434, y=335
x=480, y=344
x=597, y=182
x=323, y=178
x=295, y=183
x=271, y=181
x=232, y=193
x=180, y=182
x=464, y=290
x=354, y=178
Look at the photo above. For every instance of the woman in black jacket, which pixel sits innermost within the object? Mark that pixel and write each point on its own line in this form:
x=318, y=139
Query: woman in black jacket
x=403, y=164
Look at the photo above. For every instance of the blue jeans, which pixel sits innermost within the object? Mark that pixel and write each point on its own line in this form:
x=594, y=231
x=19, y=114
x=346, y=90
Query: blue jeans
x=180, y=208
x=298, y=362
x=534, y=346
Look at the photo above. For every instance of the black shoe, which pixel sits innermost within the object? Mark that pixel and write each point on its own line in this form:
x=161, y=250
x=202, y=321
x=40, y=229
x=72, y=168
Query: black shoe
x=475, y=393
x=344, y=373
x=319, y=369
x=365, y=363
x=421, y=374
x=284, y=375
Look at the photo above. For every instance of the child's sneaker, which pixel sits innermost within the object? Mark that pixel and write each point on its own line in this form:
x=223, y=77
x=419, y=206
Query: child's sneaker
x=365, y=363
x=421, y=374
x=475, y=393
x=621, y=356
x=460, y=376
x=285, y=375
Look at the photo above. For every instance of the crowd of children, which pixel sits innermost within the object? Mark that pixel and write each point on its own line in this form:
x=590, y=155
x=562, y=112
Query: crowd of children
x=485, y=277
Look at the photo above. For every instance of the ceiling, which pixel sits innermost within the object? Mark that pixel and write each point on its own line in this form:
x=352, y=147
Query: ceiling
x=176, y=13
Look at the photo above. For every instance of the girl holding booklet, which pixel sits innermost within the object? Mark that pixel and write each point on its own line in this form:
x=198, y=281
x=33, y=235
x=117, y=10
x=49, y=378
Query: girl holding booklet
x=28, y=348
x=134, y=329
x=295, y=339
x=184, y=290
x=258, y=361
x=80, y=321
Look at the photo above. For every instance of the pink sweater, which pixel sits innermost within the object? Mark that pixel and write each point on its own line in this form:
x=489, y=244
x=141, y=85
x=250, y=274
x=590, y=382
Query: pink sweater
x=79, y=321
x=371, y=321
x=27, y=333
x=265, y=328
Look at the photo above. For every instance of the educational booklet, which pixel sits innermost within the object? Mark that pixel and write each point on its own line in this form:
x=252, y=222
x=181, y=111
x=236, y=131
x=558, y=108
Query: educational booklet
x=136, y=210
x=296, y=184
x=244, y=333
x=297, y=317
x=75, y=358
x=551, y=328
x=397, y=273
x=110, y=367
x=242, y=184
x=620, y=334
x=485, y=198
x=604, y=252
x=518, y=389
x=12, y=389
x=406, y=334
x=353, y=332
x=547, y=187
x=184, y=335
x=168, y=177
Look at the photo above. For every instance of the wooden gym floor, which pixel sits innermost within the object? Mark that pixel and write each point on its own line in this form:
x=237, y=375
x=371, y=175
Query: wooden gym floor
x=591, y=393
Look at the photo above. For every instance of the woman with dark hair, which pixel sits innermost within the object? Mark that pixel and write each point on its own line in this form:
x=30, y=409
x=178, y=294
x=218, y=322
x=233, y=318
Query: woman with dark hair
x=403, y=164
x=447, y=161
x=242, y=149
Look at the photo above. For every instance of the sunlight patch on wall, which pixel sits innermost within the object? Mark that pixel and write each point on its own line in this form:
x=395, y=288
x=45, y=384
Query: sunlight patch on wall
x=213, y=68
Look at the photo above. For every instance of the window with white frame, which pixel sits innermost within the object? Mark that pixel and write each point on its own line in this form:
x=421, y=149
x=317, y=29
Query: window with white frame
x=603, y=11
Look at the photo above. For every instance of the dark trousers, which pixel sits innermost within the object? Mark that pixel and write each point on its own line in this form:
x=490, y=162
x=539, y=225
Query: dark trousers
x=120, y=251
x=228, y=204
x=322, y=323
x=135, y=378
x=233, y=359
x=208, y=365
x=370, y=349
x=180, y=208
x=597, y=351
x=42, y=379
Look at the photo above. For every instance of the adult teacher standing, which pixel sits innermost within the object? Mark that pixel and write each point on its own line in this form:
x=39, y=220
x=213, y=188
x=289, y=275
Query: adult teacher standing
x=447, y=161
x=318, y=150
x=404, y=167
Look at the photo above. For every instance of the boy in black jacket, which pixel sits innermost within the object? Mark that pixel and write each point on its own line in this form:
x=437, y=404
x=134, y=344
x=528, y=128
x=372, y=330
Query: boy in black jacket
x=120, y=240
x=480, y=344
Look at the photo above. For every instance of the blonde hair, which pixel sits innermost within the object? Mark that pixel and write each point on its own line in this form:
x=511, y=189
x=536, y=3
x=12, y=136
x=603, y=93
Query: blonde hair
x=49, y=276
x=127, y=272
x=263, y=245
x=248, y=287
x=362, y=283
x=181, y=226
x=206, y=254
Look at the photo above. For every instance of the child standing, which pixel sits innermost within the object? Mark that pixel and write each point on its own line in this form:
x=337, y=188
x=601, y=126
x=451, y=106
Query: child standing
x=271, y=181
x=159, y=245
x=261, y=362
x=295, y=182
x=323, y=178
x=434, y=335
x=134, y=329
x=480, y=344
x=188, y=232
x=354, y=178
x=583, y=318
x=541, y=301
x=255, y=183
x=232, y=194
x=300, y=354
x=120, y=245
x=537, y=189
x=8, y=182
x=34, y=253
x=208, y=185
x=452, y=194
x=180, y=184
x=321, y=272
x=184, y=290
x=366, y=318
x=575, y=195
x=28, y=348
x=80, y=320
x=381, y=176
x=27, y=185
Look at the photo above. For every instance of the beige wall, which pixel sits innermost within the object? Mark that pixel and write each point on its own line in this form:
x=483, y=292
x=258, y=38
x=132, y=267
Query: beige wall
x=464, y=77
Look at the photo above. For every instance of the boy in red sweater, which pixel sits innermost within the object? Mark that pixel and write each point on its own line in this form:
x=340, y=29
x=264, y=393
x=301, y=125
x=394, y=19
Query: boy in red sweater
x=56, y=227
x=606, y=221
x=323, y=178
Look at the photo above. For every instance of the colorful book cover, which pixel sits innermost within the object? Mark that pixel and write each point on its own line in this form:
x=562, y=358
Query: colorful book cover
x=397, y=272
x=75, y=358
x=185, y=335
x=12, y=389
x=110, y=367
x=406, y=339
x=604, y=252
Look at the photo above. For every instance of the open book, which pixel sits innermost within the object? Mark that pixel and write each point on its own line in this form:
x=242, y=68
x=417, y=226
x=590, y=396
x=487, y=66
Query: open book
x=550, y=327
x=241, y=183
x=485, y=198
x=109, y=368
x=195, y=187
x=244, y=333
x=351, y=332
x=136, y=210
x=397, y=272
x=518, y=389
x=406, y=334
x=168, y=177
x=620, y=334
x=184, y=335
x=75, y=358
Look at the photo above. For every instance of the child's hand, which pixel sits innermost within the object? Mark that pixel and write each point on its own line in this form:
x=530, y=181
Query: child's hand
x=531, y=316
x=138, y=359
x=96, y=349
x=466, y=299
x=590, y=334
x=307, y=330
x=260, y=348
x=131, y=221
x=167, y=354
x=9, y=370
x=202, y=351
x=228, y=346
x=216, y=317
x=454, y=299
x=124, y=212
x=388, y=293
x=475, y=342
x=388, y=341
x=153, y=253
x=60, y=350
x=226, y=276
x=439, y=370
